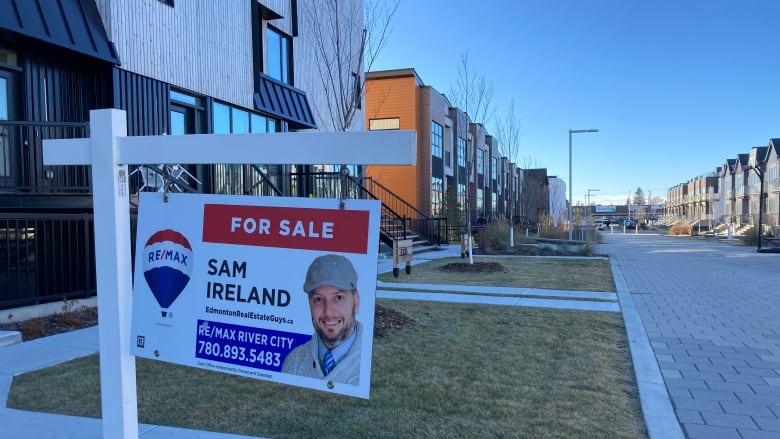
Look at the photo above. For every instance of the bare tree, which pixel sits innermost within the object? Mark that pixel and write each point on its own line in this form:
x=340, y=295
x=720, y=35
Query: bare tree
x=508, y=133
x=530, y=162
x=472, y=94
x=347, y=38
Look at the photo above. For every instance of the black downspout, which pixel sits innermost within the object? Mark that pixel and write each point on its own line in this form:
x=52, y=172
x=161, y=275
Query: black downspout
x=760, y=174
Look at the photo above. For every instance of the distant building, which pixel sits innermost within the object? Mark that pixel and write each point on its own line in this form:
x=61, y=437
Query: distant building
x=556, y=188
x=453, y=153
x=732, y=194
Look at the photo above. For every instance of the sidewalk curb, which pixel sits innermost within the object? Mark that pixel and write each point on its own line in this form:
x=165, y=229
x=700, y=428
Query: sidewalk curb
x=657, y=410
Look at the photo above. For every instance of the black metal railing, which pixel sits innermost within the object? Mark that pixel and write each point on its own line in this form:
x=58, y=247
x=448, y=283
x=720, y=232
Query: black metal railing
x=526, y=223
x=395, y=202
x=263, y=185
x=432, y=229
x=21, y=155
x=45, y=258
x=399, y=218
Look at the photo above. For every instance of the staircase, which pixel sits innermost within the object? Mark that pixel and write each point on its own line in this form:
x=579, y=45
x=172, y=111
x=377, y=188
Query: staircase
x=743, y=230
x=391, y=229
x=401, y=220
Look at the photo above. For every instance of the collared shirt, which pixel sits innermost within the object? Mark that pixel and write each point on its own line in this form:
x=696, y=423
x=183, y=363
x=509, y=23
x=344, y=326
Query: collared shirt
x=340, y=351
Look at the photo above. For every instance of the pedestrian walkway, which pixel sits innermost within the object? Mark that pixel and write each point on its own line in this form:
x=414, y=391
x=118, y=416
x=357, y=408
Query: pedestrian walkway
x=711, y=312
x=52, y=350
x=557, y=299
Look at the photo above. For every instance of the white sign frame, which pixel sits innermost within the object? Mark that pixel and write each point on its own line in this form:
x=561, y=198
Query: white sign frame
x=109, y=151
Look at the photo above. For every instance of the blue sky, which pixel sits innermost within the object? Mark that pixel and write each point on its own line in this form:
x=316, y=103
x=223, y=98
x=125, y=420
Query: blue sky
x=675, y=87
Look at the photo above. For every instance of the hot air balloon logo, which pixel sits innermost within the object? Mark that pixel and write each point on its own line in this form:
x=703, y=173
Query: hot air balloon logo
x=167, y=264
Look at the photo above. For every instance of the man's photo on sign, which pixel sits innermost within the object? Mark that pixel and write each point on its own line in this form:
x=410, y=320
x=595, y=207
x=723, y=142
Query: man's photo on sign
x=333, y=352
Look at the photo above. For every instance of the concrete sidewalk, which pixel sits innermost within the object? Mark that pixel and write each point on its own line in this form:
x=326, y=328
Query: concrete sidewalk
x=52, y=350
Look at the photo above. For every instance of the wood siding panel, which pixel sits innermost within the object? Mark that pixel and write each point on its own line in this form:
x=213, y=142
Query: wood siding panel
x=395, y=97
x=424, y=150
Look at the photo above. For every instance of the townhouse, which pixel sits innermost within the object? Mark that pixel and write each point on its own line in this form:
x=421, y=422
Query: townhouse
x=454, y=154
x=741, y=193
x=176, y=67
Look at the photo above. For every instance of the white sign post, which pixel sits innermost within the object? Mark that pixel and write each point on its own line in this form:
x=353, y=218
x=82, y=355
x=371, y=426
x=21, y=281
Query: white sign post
x=109, y=151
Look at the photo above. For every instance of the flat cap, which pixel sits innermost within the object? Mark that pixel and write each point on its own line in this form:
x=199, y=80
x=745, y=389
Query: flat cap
x=334, y=270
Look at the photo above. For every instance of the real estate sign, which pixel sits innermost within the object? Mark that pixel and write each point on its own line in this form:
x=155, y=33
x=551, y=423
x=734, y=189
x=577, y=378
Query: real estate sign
x=219, y=285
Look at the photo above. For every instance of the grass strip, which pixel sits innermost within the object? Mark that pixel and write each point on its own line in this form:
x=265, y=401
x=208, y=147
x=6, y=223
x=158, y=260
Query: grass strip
x=580, y=274
x=461, y=371
x=519, y=296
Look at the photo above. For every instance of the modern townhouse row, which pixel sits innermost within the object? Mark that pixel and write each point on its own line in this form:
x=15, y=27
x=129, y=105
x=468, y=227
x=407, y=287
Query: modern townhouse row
x=179, y=67
x=742, y=193
x=176, y=67
x=454, y=154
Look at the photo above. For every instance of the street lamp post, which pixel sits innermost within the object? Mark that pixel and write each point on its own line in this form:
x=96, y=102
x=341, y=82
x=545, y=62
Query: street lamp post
x=571, y=204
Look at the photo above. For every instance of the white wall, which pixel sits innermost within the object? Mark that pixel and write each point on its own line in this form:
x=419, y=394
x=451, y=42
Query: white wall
x=557, y=190
x=206, y=45
x=199, y=45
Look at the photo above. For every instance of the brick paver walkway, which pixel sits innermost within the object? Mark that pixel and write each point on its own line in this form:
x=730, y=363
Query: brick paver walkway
x=711, y=311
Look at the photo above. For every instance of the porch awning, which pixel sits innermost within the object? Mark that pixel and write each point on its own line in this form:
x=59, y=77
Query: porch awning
x=284, y=101
x=71, y=24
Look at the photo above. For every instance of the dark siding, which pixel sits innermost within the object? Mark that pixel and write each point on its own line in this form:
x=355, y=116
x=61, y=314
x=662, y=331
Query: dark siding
x=145, y=100
x=61, y=92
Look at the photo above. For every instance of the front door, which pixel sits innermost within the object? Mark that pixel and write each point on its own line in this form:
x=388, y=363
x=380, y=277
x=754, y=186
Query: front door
x=9, y=135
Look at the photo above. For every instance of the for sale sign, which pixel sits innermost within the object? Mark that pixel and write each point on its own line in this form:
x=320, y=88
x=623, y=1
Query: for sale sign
x=280, y=289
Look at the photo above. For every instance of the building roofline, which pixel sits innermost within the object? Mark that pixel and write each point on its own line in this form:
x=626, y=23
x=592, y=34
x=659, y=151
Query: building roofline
x=394, y=73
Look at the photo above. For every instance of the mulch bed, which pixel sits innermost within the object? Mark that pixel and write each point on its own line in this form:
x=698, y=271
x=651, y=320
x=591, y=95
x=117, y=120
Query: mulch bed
x=527, y=250
x=476, y=267
x=386, y=321
x=54, y=324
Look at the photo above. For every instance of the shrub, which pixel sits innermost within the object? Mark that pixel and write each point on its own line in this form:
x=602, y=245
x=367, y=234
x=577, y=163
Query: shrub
x=586, y=250
x=494, y=236
x=750, y=238
x=680, y=229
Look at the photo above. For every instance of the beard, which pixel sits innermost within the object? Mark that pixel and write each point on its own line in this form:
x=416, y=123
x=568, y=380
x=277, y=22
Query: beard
x=339, y=337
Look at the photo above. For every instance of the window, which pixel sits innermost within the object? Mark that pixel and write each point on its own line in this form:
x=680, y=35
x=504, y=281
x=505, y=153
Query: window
x=278, y=56
x=187, y=113
x=5, y=149
x=494, y=168
x=389, y=123
x=235, y=178
x=437, y=134
x=462, y=197
x=437, y=195
x=229, y=119
x=262, y=124
x=461, y=152
x=221, y=113
x=9, y=57
x=480, y=201
x=480, y=161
